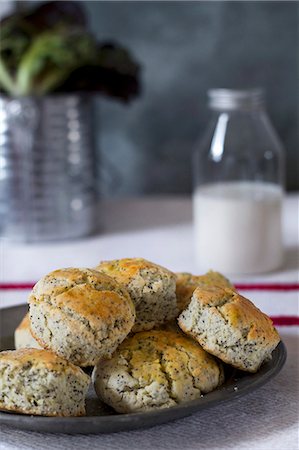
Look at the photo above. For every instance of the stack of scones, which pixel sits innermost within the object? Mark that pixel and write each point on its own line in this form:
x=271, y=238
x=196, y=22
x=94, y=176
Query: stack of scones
x=155, y=339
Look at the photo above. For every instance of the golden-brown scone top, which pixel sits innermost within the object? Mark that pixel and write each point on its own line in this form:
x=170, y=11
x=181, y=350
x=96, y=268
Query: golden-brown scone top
x=147, y=348
x=186, y=284
x=38, y=358
x=61, y=280
x=151, y=287
x=239, y=312
x=124, y=270
x=84, y=292
x=230, y=327
x=80, y=314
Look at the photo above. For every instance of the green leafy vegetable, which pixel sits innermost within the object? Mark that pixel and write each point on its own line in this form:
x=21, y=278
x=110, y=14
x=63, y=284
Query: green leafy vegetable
x=50, y=59
x=50, y=49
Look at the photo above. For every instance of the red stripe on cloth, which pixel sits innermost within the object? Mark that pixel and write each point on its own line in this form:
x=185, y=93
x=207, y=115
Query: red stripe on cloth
x=285, y=320
x=268, y=287
x=16, y=286
x=244, y=287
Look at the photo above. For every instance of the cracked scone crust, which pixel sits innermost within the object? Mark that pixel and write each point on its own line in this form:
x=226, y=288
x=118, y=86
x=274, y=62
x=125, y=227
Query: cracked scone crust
x=151, y=287
x=156, y=369
x=230, y=327
x=23, y=336
x=39, y=382
x=186, y=283
x=80, y=314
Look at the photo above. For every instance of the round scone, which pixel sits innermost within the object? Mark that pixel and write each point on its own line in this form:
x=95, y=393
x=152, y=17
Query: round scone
x=80, y=314
x=151, y=287
x=39, y=382
x=230, y=327
x=23, y=336
x=156, y=369
x=186, y=283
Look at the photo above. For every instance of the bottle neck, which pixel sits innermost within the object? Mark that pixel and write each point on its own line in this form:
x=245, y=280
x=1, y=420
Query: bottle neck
x=226, y=100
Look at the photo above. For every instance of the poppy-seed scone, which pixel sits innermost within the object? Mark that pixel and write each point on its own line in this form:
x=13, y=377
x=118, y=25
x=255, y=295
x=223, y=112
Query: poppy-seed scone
x=156, y=369
x=80, y=314
x=38, y=382
x=23, y=336
x=186, y=283
x=230, y=327
x=151, y=287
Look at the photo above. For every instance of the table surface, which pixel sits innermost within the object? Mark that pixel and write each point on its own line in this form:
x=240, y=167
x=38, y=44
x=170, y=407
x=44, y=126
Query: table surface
x=160, y=229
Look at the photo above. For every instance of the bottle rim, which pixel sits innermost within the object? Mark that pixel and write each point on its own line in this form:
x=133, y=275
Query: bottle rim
x=233, y=99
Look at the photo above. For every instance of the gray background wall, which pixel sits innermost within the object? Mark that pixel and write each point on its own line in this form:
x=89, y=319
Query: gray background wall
x=184, y=49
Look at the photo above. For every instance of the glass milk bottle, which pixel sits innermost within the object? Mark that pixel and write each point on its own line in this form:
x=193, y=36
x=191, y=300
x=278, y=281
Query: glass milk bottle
x=238, y=187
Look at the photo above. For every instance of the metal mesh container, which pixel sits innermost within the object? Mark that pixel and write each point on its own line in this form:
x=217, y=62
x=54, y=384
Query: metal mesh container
x=47, y=168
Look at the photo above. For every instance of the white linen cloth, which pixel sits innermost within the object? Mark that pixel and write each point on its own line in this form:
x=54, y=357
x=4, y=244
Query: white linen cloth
x=161, y=230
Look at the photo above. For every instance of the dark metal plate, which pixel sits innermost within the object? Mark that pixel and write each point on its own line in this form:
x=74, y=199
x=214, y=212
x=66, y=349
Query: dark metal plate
x=102, y=419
